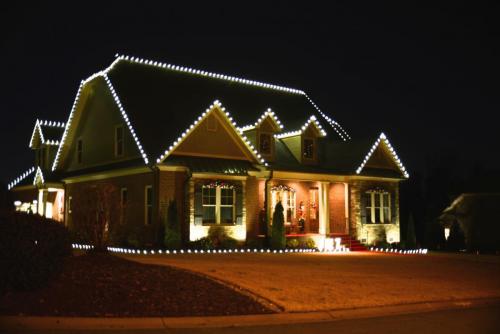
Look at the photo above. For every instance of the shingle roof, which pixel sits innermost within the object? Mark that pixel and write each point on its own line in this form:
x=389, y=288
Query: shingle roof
x=161, y=103
x=211, y=165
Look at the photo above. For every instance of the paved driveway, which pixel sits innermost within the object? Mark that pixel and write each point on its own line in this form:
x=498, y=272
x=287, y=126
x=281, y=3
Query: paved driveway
x=306, y=282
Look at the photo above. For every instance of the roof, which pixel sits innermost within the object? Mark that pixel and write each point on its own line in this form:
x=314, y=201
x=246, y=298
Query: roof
x=162, y=102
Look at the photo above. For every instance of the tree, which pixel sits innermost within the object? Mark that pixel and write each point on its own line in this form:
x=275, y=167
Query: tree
x=172, y=235
x=95, y=209
x=278, y=240
x=410, y=240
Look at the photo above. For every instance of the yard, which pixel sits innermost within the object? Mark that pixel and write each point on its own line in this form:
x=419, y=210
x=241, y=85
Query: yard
x=308, y=282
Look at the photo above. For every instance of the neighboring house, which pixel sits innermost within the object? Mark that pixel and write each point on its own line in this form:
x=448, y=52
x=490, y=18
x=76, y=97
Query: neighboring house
x=160, y=132
x=476, y=216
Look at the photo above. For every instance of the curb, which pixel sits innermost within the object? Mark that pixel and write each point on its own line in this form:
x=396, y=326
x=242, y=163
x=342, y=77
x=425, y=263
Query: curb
x=22, y=323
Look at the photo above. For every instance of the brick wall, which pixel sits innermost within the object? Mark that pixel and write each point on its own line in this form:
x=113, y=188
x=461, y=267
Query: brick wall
x=255, y=191
x=135, y=185
x=336, y=197
x=172, y=185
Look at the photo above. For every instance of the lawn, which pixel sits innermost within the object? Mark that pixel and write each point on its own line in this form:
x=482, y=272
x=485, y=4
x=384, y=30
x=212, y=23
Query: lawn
x=307, y=282
x=97, y=285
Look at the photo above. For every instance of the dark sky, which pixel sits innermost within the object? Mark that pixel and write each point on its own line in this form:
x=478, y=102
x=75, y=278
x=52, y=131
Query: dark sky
x=427, y=76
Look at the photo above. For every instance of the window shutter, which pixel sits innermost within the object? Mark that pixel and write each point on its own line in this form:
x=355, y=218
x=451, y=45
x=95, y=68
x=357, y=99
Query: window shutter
x=393, y=208
x=239, y=206
x=364, y=198
x=198, y=205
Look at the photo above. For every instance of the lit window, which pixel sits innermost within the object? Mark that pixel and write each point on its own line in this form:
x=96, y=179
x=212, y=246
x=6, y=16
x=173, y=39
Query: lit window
x=378, y=206
x=265, y=143
x=119, y=141
x=148, y=203
x=79, y=151
x=218, y=204
x=308, y=148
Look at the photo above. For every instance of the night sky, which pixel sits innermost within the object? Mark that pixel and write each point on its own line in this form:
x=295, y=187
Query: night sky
x=426, y=76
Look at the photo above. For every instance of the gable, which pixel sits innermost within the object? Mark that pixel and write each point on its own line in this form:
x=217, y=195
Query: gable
x=268, y=125
x=36, y=138
x=94, y=121
x=214, y=137
x=382, y=159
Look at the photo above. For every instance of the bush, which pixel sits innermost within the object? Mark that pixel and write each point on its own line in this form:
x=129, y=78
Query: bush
x=310, y=244
x=204, y=243
x=278, y=240
x=255, y=243
x=293, y=243
x=221, y=238
x=32, y=250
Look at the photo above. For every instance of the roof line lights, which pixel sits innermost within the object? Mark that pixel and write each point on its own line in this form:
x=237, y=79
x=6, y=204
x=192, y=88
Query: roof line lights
x=215, y=104
x=38, y=125
x=340, y=131
x=202, y=73
x=38, y=173
x=312, y=120
x=383, y=138
x=20, y=178
x=267, y=113
x=68, y=124
x=125, y=118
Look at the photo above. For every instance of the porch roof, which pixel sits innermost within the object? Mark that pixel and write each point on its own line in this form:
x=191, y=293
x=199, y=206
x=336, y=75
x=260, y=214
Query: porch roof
x=211, y=165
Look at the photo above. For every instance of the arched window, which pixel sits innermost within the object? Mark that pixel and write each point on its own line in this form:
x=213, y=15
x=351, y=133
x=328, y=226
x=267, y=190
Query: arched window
x=287, y=197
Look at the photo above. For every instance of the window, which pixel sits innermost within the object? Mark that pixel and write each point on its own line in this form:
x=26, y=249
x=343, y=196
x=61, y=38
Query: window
x=309, y=148
x=287, y=197
x=218, y=204
x=148, y=205
x=79, y=151
x=265, y=143
x=378, y=206
x=123, y=197
x=119, y=141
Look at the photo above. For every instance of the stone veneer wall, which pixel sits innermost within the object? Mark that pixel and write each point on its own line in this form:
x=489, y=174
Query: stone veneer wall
x=368, y=232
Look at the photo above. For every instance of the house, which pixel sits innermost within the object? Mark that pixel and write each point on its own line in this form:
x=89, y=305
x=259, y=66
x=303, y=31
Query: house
x=226, y=149
x=474, y=216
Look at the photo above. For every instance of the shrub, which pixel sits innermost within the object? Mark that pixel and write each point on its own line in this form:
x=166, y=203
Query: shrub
x=255, y=243
x=221, y=238
x=203, y=243
x=293, y=243
x=278, y=240
x=32, y=250
x=456, y=240
x=310, y=244
x=172, y=238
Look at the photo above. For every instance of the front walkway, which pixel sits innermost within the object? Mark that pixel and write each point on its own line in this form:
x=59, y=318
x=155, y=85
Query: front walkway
x=307, y=282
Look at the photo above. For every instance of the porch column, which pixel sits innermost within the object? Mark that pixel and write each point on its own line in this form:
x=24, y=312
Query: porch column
x=324, y=212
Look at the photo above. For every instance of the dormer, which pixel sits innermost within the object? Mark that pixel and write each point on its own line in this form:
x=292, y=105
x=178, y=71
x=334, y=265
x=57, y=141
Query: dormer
x=303, y=143
x=262, y=133
x=45, y=141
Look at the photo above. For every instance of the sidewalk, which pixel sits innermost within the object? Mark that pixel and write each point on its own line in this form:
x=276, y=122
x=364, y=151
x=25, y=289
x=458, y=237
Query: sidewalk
x=21, y=323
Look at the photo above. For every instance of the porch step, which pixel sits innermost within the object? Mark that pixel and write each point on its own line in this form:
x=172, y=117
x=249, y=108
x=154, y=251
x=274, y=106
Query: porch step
x=348, y=241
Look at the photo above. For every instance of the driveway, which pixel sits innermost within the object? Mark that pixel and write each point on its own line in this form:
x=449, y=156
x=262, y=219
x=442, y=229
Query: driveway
x=313, y=282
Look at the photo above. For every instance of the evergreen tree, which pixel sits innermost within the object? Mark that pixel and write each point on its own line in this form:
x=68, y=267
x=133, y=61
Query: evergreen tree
x=411, y=240
x=278, y=240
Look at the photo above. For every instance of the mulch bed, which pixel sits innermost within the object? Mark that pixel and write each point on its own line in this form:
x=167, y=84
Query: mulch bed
x=100, y=285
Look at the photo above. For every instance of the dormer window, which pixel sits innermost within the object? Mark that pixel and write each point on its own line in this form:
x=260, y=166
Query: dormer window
x=265, y=142
x=309, y=148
